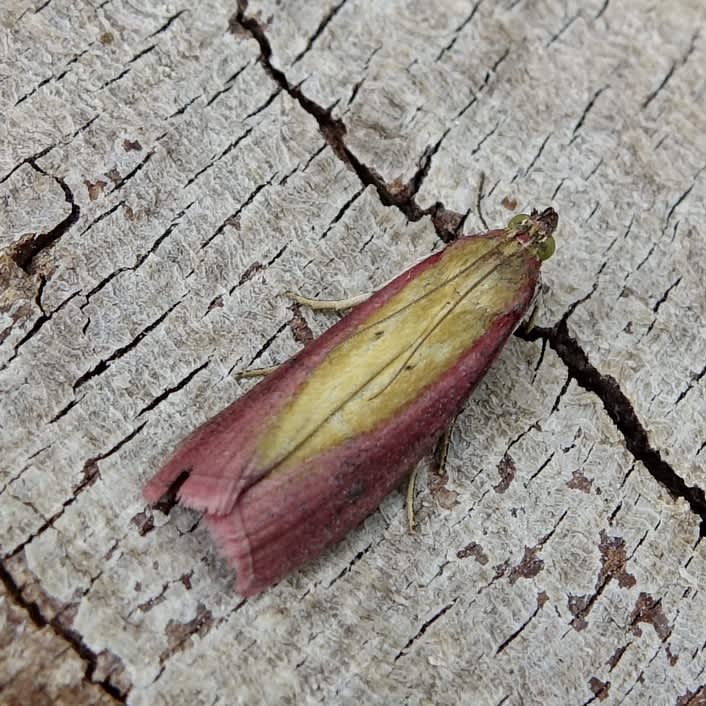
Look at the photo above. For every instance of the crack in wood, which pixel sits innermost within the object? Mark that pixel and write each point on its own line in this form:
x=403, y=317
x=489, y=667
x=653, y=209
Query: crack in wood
x=317, y=32
x=233, y=219
x=140, y=165
x=334, y=130
x=139, y=259
x=683, y=196
x=459, y=29
x=52, y=77
x=105, y=363
x=90, y=474
x=563, y=29
x=73, y=639
x=541, y=600
x=341, y=212
x=227, y=85
x=174, y=388
x=36, y=327
x=26, y=249
x=621, y=413
x=231, y=146
x=424, y=627
x=167, y=24
x=584, y=114
x=670, y=72
x=347, y=568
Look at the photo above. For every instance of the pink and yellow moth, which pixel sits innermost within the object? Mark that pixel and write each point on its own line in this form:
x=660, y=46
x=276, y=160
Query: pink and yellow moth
x=310, y=451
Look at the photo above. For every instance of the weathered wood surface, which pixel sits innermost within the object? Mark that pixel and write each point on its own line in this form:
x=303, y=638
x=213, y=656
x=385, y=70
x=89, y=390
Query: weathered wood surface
x=167, y=170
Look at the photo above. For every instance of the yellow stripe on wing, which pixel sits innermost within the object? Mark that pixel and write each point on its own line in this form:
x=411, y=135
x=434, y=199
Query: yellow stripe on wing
x=329, y=407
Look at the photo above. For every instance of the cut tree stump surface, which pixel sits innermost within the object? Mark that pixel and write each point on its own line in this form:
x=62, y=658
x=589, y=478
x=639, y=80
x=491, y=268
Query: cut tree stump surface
x=168, y=169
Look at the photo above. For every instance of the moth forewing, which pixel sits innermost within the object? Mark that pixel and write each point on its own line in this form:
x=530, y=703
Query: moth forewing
x=306, y=454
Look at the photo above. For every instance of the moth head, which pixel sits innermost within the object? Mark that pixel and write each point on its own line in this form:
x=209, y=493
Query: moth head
x=536, y=230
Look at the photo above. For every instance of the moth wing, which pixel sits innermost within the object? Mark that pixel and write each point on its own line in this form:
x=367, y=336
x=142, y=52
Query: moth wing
x=218, y=456
x=356, y=376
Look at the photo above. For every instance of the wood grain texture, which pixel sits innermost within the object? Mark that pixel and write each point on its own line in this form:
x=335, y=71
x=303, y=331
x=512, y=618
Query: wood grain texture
x=167, y=171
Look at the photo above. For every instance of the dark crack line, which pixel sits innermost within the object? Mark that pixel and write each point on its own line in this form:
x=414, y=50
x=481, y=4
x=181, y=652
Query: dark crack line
x=423, y=167
x=53, y=77
x=425, y=626
x=266, y=104
x=140, y=165
x=341, y=212
x=494, y=68
x=317, y=33
x=584, y=115
x=683, y=196
x=227, y=85
x=536, y=157
x=542, y=466
x=301, y=169
x=110, y=81
x=459, y=29
x=602, y=10
x=334, y=130
x=102, y=216
x=139, y=259
x=695, y=379
x=562, y=29
x=24, y=251
x=45, y=150
x=558, y=188
x=31, y=160
x=593, y=212
x=598, y=165
x=24, y=468
x=658, y=305
x=65, y=409
x=484, y=139
x=233, y=218
x=105, y=363
x=90, y=476
x=621, y=412
x=480, y=194
x=36, y=327
x=361, y=80
x=671, y=71
x=175, y=388
x=38, y=303
x=349, y=566
x=128, y=66
x=167, y=24
x=181, y=109
x=254, y=269
x=71, y=637
x=231, y=146
x=263, y=348
x=504, y=644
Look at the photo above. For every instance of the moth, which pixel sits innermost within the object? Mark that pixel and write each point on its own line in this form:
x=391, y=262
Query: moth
x=311, y=450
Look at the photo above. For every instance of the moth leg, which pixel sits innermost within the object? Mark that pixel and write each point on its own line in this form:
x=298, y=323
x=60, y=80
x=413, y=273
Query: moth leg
x=440, y=453
x=327, y=304
x=256, y=372
x=479, y=199
x=442, y=449
x=531, y=321
x=409, y=499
